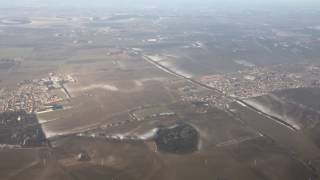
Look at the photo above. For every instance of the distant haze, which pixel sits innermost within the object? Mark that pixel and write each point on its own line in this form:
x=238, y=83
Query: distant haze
x=154, y=3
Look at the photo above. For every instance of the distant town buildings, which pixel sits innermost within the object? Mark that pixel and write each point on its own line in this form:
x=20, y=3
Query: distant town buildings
x=34, y=95
x=258, y=81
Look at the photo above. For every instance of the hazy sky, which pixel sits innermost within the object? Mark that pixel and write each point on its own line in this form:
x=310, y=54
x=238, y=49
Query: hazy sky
x=155, y=3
